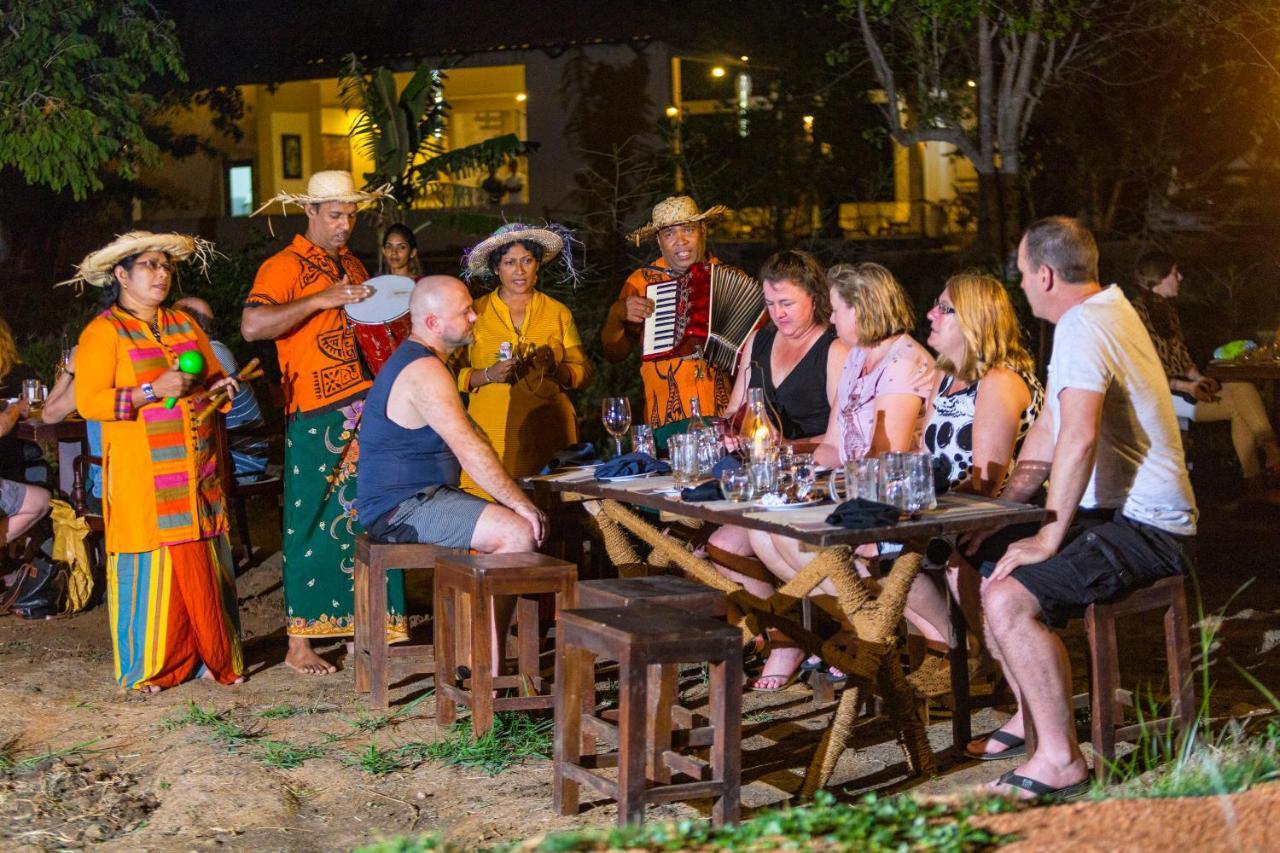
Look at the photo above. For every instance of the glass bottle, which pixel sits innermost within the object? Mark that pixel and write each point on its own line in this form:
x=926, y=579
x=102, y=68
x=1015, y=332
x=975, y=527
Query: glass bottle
x=701, y=435
x=758, y=435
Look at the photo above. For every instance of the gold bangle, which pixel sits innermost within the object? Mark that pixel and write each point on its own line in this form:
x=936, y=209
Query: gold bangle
x=487, y=380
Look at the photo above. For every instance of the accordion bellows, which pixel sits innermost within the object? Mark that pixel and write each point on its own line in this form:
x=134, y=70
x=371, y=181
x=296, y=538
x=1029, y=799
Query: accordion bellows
x=709, y=308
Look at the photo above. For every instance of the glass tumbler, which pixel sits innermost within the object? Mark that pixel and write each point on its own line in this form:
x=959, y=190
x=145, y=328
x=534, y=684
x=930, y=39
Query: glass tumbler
x=736, y=484
x=642, y=440
x=684, y=458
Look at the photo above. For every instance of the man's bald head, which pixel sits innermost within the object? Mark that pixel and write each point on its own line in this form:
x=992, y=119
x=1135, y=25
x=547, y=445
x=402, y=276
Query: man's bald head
x=199, y=310
x=440, y=311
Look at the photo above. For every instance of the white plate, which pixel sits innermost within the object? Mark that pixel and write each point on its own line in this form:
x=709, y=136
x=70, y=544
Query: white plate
x=814, y=501
x=626, y=477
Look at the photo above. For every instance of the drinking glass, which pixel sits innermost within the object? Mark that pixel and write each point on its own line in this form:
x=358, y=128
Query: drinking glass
x=922, y=495
x=861, y=480
x=32, y=392
x=804, y=473
x=642, y=440
x=895, y=479
x=615, y=412
x=684, y=458
x=764, y=476
x=736, y=484
x=710, y=450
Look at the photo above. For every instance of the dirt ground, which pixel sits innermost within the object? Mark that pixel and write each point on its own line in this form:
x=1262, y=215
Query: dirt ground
x=141, y=781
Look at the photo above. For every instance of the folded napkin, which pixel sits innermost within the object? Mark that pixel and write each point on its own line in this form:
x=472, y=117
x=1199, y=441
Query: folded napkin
x=583, y=453
x=860, y=513
x=708, y=491
x=728, y=463
x=631, y=463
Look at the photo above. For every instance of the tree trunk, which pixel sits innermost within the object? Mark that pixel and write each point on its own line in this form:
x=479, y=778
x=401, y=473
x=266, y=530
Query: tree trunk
x=999, y=219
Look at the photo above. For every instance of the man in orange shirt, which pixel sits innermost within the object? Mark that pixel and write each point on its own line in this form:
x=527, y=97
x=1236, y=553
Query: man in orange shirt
x=669, y=383
x=297, y=300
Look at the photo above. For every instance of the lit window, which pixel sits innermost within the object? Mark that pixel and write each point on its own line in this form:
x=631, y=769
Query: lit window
x=239, y=189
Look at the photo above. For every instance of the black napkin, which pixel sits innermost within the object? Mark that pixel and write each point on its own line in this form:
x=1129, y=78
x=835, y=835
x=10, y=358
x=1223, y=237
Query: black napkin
x=708, y=491
x=583, y=453
x=860, y=513
x=631, y=463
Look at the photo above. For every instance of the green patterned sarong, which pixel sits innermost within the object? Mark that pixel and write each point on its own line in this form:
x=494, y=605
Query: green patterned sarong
x=320, y=527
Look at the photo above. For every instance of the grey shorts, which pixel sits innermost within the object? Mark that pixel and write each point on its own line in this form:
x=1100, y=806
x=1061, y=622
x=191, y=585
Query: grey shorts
x=11, y=496
x=437, y=515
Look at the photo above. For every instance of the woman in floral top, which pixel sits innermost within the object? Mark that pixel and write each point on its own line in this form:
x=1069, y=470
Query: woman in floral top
x=885, y=385
x=1197, y=397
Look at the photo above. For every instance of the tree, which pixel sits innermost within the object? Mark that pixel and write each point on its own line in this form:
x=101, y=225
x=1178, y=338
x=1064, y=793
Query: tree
x=74, y=96
x=972, y=73
x=403, y=134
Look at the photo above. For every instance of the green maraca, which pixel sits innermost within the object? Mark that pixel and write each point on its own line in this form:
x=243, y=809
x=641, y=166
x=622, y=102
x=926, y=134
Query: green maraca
x=191, y=362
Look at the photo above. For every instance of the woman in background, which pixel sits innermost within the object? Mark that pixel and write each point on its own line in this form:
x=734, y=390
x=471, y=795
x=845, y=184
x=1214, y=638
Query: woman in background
x=400, y=251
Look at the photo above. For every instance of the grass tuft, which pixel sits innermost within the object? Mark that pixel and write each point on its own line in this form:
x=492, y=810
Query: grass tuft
x=220, y=728
x=283, y=755
x=512, y=739
x=369, y=723
x=10, y=763
x=376, y=761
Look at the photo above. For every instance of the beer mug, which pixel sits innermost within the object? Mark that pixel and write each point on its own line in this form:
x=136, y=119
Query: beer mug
x=861, y=480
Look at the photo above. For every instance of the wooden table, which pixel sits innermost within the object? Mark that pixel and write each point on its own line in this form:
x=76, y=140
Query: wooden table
x=955, y=514
x=1249, y=371
x=50, y=435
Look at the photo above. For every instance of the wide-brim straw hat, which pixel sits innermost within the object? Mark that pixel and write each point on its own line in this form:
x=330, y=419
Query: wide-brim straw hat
x=676, y=210
x=97, y=266
x=335, y=185
x=477, y=258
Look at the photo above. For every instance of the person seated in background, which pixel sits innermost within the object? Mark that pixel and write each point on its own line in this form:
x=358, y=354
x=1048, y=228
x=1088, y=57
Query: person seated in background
x=248, y=452
x=416, y=439
x=1197, y=397
x=19, y=460
x=61, y=404
x=21, y=505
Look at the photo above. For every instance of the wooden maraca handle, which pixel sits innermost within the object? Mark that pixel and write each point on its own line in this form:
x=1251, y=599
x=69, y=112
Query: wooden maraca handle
x=250, y=371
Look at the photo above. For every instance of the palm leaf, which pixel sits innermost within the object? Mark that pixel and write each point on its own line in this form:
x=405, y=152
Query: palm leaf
x=463, y=162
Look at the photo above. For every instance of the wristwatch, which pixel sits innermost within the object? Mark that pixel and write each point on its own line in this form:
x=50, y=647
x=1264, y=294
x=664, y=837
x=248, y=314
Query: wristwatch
x=149, y=392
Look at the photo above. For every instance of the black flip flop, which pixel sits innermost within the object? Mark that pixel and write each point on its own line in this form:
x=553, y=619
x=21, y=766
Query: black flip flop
x=1014, y=747
x=1040, y=790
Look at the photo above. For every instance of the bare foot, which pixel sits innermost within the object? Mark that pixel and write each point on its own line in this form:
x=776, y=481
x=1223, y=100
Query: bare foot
x=302, y=658
x=149, y=688
x=208, y=676
x=779, y=670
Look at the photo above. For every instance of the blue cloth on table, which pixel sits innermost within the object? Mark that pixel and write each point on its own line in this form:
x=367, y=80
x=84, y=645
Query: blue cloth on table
x=860, y=514
x=582, y=453
x=728, y=463
x=708, y=491
x=630, y=464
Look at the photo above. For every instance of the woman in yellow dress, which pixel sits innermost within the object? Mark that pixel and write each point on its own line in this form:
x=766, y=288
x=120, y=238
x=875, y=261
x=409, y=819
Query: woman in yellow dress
x=518, y=393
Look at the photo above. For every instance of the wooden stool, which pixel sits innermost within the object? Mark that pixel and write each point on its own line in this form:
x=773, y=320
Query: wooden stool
x=665, y=712
x=370, y=649
x=481, y=578
x=1106, y=700
x=640, y=637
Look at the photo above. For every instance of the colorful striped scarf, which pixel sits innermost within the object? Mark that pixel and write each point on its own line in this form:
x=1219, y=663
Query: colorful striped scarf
x=171, y=438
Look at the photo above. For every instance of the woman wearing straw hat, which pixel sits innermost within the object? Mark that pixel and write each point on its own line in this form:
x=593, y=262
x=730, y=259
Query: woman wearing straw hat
x=170, y=589
x=518, y=391
x=296, y=301
x=669, y=383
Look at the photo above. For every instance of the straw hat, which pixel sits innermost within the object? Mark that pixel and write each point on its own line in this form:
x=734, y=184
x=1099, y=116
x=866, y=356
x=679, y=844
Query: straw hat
x=329, y=186
x=476, y=261
x=676, y=210
x=96, y=268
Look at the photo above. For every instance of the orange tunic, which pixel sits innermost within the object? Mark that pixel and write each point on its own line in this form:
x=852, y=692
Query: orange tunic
x=669, y=383
x=159, y=468
x=318, y=361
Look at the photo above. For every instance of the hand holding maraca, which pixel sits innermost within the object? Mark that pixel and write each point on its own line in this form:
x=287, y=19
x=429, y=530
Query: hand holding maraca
x=190, y=367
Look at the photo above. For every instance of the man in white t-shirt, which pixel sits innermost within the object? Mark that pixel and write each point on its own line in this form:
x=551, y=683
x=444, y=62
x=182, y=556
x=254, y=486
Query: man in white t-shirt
x=1124, y=513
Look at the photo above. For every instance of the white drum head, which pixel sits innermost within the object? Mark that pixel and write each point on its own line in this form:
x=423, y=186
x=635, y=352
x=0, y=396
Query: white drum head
x=390, y=300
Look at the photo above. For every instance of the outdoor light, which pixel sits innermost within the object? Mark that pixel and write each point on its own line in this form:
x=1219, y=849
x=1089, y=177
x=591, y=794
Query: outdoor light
x=808, y=124
x=971, y=83
x=717, y=71
x=522, y=97
x=672, y=112
x=743, y=58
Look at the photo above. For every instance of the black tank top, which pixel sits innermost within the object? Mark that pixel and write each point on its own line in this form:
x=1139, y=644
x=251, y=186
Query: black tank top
x=801, y=401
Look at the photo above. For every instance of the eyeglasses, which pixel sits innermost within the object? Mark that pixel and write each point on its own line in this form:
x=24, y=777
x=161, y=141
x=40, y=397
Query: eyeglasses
x=942, y=307
x=154, y=266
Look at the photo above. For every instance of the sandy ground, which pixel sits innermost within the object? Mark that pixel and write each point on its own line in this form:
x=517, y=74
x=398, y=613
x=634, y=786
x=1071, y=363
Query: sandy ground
x=144, y=784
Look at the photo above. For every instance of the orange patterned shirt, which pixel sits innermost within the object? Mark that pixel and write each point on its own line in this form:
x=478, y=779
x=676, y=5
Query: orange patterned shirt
x=669, y=383
x=318, y=360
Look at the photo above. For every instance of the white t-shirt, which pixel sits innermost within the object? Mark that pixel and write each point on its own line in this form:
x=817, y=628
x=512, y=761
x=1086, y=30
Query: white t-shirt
x=1101, y=345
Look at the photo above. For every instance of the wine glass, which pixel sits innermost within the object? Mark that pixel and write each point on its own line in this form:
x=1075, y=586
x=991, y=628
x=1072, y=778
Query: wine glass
x=615, y=413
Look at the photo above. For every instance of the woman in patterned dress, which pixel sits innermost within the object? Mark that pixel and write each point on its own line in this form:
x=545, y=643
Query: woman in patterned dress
x=987, y=401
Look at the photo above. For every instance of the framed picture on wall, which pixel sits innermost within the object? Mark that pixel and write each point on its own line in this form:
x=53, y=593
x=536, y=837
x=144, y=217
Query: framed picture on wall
x=336, y=151
x=291, y=155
